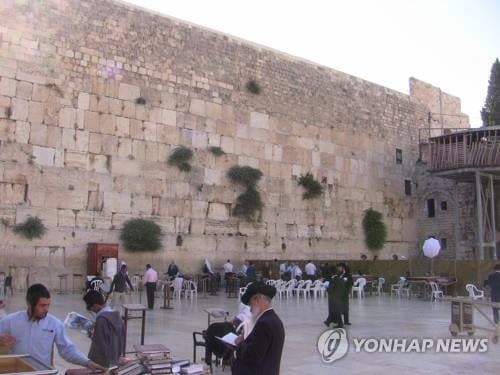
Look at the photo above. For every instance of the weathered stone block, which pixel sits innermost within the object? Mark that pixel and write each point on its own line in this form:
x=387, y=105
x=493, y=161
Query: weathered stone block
x=218, y=211
x=67, y=118
x=259, y=120
x=197, y=107
x=22, y=132
x=107, y=124
x=128, y=92
x=43, y=155
x=122, y=126
x=168, y=117
x=84, y=100
x=19, y=109
x=8, y=87
x=99, y=163
x=75, y=159
x=149, y=131
x=117, y=202
x=91, y=121
x=199, y=209
x=35, y=112
x=24, y=90
x=137, y=129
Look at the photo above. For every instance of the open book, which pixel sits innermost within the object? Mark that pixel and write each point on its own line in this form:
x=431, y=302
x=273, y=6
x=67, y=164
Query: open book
x=230, y=339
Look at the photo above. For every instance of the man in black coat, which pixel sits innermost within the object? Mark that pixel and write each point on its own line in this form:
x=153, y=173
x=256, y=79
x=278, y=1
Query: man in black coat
x=260, y=352
x=349, y=282
x=494, y=283
x=336, y=292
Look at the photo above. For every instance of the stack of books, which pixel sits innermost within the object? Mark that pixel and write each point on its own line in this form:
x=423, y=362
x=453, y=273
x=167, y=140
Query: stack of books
x=156, y=358
x=131, y=368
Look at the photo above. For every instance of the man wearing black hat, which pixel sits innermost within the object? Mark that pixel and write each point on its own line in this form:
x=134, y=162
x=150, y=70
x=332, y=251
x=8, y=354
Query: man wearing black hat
x=336, y=292
x=260, y=352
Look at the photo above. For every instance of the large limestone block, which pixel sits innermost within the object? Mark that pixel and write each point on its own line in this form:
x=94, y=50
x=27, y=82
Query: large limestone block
x=199, y=139
x=126, y=167
x=19, y=109
x=168, y=117
x=75, y=159
x=218, y=211
x=11, y=193
x=7, y=86
x=149, y=131
x=213, y=110
x=43, y=155
x=197, y=107
x=91, y=121
x=141, y=204
x=212, y=176
x=67, y=117
x=107, y=124
x=84, y=100
x=227, y=144
x=259, y=120
x=122, y=126
x=117, y=202
x=199, y=209
x=128, y=92
x=99, y=163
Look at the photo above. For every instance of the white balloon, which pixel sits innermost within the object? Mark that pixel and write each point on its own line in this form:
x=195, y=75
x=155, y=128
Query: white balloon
x=431, y=247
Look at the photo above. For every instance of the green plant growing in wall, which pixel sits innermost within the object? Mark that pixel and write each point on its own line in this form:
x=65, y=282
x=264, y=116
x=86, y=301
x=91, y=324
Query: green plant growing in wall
x=375, y=230
x=246, y=176
x=249, y=203
x=216, y=151
x=141, y=235
x=313, y=187
x=253, y=87
x=181, y=158
x=31, y=228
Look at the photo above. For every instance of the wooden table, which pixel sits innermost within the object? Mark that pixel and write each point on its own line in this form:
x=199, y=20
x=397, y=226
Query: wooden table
x=132, y=307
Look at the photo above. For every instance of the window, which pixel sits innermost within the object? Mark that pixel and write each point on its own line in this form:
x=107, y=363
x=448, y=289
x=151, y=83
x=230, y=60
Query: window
x=444, y=206
x=399, y=156
x=431, y=212
x=443, y=243
x=408, y=187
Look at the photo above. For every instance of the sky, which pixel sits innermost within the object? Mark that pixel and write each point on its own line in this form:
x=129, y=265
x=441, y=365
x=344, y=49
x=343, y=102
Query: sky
x=451, y=44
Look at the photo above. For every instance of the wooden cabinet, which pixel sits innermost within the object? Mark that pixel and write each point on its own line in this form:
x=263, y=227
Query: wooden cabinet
x=98, y=253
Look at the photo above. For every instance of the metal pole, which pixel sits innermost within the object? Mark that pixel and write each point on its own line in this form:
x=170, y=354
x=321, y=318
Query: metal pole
x=479, y=200
x=493, y=224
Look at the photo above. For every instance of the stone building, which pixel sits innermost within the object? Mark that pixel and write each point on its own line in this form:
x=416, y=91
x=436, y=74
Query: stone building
x=95, y=95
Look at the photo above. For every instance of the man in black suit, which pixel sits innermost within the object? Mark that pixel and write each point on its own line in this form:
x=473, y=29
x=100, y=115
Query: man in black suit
x=494, y=283
x=336, y=291
x=260, y=352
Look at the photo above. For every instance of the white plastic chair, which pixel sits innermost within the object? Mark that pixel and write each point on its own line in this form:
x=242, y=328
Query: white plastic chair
x=318, y=289
x=359, y=287
x=189, y=288
x=305, y=290
x=97, y=285
x=289, y=287
x=474, y=292
x=400, y=289
x=380, y=286
x=178, y=282
x=298, y=287
x=436, y=293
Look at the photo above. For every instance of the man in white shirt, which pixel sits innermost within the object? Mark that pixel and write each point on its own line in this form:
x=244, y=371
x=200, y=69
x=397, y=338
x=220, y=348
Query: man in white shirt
x=150, y=279
x=228, y=268
x=283, y=268
x=296, y=272
x=310, y=270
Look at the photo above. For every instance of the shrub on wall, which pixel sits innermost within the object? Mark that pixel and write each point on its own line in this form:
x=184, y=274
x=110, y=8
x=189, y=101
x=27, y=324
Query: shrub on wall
x=31, y=228
x=375, y=229
x=181, y=158
x=248, y=203
x=141, y=235
x=313, y=187
x=253, y=87
x=216, y=151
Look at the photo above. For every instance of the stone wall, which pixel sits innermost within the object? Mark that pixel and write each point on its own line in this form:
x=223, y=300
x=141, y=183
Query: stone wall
x=79, y=151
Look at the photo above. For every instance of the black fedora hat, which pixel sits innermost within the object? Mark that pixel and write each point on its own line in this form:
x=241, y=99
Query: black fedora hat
x=258, y=288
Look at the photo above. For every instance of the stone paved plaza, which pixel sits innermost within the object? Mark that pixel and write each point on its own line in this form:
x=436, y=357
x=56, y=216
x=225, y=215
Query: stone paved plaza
x=372, y=317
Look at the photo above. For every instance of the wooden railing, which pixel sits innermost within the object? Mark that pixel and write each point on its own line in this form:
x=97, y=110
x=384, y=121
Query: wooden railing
x=473, y=148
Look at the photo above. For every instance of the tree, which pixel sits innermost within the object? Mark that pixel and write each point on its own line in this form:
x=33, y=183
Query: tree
x=375, y=230
x=491, y=110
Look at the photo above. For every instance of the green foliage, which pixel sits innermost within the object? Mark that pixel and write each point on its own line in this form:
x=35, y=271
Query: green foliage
x=490, y=114
x=140, y=100
x=375, y=230
x=312, y=186
x=141, y=235
x=216, y=151
x=253, y=87
x=248, y=204
x=246, y=176
x=31, y=228
x=181, y=158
